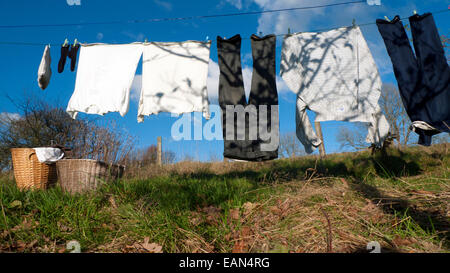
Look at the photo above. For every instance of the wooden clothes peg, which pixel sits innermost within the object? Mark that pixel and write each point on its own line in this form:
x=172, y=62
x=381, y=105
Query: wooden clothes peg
x=66, y=42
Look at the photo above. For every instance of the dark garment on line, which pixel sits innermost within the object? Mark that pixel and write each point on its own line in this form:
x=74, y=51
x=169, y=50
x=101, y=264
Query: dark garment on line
x=73, y=56
x=62, y=59
x=71, y=52
x=263, y=92
x=424, y=78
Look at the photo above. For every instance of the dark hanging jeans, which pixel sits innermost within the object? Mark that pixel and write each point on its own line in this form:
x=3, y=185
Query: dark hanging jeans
x=424, y=78
x=263, y=92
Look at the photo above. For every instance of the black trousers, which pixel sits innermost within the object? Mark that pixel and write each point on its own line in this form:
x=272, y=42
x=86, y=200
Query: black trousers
x=424, y=78
x=263, y=92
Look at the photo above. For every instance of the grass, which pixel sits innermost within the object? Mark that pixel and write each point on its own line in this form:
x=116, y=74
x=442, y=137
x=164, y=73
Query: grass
x=302, y=204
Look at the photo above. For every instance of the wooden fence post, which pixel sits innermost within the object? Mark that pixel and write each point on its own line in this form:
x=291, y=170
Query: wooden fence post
x=159, y=152
x=319, y=134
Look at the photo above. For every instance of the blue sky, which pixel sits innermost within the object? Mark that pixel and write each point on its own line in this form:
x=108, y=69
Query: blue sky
x=19, y=64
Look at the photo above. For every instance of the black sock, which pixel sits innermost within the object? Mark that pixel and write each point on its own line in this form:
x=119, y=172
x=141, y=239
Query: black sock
x=73, y=56
x=62, y=60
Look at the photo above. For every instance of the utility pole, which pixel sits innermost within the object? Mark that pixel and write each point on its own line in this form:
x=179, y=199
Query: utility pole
x=159, y=152
x=319, y=134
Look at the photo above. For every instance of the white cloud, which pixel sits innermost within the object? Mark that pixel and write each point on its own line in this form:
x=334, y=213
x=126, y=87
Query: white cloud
x=281, y=86
x=236, y=3
x=166, y=5
x=136, y=37
x=247, y=78
x=329, y=17
x=279, y=22
x=6, y=117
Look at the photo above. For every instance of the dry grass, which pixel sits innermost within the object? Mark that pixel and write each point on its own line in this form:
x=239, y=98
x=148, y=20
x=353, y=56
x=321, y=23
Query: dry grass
x=338, y=204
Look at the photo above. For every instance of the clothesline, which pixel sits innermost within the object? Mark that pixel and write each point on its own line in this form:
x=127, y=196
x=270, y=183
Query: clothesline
x=337, y=79
x=182, y=18
x=244, y=38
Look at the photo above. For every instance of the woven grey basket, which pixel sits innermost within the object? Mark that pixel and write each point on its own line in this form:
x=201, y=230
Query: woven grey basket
x=81, y=175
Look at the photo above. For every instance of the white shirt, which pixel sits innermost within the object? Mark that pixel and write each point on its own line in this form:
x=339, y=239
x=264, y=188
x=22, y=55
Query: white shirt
x=334, y=75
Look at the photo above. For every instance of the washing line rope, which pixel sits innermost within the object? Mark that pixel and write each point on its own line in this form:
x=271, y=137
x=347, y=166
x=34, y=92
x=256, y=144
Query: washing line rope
x=244, y=38
x=181, y=18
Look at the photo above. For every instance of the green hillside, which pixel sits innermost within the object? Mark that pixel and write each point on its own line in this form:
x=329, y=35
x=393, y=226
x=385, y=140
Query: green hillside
x=305, y=204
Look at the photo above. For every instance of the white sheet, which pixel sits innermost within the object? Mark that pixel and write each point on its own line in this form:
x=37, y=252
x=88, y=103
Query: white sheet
x=174, y=77
x=104, y=78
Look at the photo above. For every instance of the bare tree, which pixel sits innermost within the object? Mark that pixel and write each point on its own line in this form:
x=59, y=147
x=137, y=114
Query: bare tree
x=41, y=124
x=148, y=156
x=290, y=146
x=355, y=139
x=168, y=157
x=392, y=107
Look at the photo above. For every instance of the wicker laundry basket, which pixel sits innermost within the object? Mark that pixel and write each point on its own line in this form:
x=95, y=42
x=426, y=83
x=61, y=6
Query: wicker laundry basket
x=29, y=172
x=80, y=175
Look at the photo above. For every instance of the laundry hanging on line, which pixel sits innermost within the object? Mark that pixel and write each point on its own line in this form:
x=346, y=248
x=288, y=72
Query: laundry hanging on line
x=240, y=144
x=73, y=56
x=104, y=77
x=424, y=78
x=62, y=59
x=45, y=70
x=173, y=80
x=334, y=75
x=351, y=85
x=68, y=51
x=174, y=77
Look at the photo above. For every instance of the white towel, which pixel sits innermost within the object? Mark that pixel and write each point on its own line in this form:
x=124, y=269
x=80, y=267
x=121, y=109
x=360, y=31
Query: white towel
x=104, y=78
x=48, y=155
x=174, y=77
x=45, y=71
x=334, y=75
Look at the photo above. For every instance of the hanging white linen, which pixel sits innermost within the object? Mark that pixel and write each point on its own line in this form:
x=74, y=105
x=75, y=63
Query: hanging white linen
x=104, y=77
x=174, y=77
